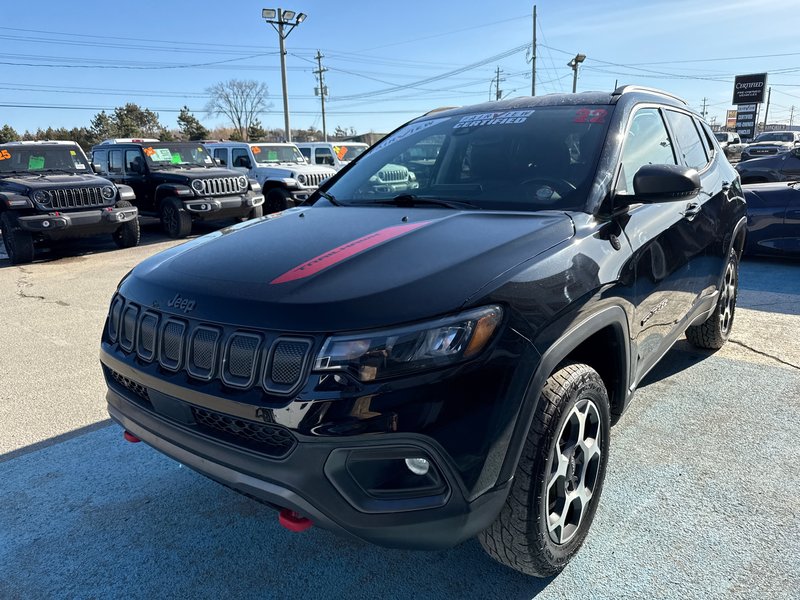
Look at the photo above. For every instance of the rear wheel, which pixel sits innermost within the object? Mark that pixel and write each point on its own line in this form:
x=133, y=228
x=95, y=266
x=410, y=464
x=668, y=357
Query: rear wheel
x=175, y=220
x=276, y=200
x=18, y=243
x=557, y=485
x=715, y=331
x=128, y=234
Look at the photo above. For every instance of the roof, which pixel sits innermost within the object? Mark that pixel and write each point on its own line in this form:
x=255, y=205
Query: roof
x=235, y=143
x=41, y=143
x=128, y=141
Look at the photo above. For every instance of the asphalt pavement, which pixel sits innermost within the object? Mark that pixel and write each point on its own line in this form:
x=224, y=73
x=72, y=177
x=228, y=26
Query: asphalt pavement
x=700, y=499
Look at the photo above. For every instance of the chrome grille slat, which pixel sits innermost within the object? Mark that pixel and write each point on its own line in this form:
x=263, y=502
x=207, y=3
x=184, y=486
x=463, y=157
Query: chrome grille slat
x=222, y=186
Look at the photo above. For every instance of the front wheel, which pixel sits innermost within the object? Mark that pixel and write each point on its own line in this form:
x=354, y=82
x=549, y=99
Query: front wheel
x=557, y=485
x=18, y=243
x=176, y=221
x=276, y=200
x=715, y=331
x=128, y=234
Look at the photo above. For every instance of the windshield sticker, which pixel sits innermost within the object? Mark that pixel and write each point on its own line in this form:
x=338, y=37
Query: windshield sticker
x=36, y=163
x=508, y=117
x=79, y=165
x=345, y=251
x=176, y=159
x=340, y=151
x=594, y=115
x=73, y=153
x=256, y=150
x=161, y=154
x=272, y=155
x=149, y=151
x=410, y=130
x=5, y=155
x=208, y=160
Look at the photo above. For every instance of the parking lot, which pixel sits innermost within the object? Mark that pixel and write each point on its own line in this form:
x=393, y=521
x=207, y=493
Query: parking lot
x=700, y=499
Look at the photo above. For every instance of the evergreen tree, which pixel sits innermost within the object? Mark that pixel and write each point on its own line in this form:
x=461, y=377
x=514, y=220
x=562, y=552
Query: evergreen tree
x=190, y=126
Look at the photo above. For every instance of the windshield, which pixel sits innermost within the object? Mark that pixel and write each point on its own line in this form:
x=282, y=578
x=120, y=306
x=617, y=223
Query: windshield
x=267, y=153
x=532, y=159
x=42, y=159
x=774, y=136
x=164, y=154
x=346, y=152
x=721, y=137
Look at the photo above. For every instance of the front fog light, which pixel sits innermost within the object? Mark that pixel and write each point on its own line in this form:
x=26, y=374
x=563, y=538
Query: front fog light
x=418, y=466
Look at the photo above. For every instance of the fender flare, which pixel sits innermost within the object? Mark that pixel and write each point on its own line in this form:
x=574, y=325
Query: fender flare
x=577, y=333
x=172, y=190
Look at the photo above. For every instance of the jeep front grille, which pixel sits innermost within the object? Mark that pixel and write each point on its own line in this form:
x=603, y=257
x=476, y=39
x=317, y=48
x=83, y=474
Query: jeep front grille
x=86, y=197
x=223, y=186
x=263, y=437
x=315, y=179
x=205, y=351
x=392, y=175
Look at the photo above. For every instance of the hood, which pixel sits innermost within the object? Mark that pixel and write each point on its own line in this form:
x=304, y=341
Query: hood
x=47, y=182
x=342, y=268
x=286, y=169
x=183, y=175
x=779, y=145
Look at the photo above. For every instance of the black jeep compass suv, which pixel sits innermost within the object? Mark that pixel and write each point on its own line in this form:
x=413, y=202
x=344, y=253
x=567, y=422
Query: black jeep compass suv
x=415, y=369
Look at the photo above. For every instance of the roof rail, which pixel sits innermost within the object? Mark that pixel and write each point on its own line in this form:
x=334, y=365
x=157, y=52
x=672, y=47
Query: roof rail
x=440, y=109
x=627, y=89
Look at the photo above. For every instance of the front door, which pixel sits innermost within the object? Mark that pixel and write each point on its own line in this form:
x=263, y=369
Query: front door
x=135, y=167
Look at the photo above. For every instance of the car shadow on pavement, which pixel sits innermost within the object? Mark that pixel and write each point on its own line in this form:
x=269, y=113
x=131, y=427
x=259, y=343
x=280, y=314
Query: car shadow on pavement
x=769, y=285
x=94, y=516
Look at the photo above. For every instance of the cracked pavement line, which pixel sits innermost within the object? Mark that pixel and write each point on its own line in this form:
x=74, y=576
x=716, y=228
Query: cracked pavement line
x=765, y=354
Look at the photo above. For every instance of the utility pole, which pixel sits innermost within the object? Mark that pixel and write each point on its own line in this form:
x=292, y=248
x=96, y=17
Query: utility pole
x=579, y=58
x=496, y=81
x=766, y=112
x=703, y=112
x=323, y=91
x=791, y=116
x=533, y=55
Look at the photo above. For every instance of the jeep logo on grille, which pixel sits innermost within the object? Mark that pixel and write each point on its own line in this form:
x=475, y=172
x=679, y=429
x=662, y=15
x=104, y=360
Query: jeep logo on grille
x=180, y=303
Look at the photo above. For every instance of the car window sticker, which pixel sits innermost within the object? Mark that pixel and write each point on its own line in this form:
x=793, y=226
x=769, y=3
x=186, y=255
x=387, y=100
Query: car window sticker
x=36, y=163
x=5, y=155
x=256, y=150
x=410, y=130
x=507, y=117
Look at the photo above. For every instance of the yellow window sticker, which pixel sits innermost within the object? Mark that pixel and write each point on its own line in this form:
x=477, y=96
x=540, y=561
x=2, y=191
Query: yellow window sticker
x=340, y=151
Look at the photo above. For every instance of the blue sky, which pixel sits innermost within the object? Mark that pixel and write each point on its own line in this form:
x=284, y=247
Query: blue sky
x=388, y=61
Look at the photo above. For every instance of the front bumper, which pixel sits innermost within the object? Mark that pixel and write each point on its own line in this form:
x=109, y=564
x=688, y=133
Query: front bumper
x=214, y=207
x=101, y=219
x=314, y=479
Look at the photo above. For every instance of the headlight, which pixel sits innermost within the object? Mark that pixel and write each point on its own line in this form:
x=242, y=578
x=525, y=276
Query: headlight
x=41, y=197
x=392, y=352
x=301, y=179
x=242, y=182
x=198, y=185
x=109, y=192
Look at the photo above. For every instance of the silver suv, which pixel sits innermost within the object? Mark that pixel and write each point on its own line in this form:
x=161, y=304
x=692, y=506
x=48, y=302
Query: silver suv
x=285, y=176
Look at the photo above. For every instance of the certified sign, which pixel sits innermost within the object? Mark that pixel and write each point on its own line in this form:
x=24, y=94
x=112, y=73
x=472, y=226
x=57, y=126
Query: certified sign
x=749, y=88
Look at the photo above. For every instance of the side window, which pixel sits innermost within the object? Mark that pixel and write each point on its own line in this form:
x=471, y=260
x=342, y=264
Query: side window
x=691, y=145
x=324, y=156
x=115, y=161
x=239, y=157
x=100, y=158
x=646, y=143
x=221, y=154
x=134, y=163
x=307, y=153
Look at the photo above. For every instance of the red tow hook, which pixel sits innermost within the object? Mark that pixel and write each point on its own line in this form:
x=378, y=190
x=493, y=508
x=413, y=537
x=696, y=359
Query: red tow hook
x=293, y=521
x=129, y=437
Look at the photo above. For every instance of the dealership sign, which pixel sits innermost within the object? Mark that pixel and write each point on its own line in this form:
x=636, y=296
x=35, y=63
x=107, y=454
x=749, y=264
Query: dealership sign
x=749, y=89
x=746, y=120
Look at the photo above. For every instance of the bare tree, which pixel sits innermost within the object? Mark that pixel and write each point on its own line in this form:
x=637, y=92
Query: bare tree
x=239, y=100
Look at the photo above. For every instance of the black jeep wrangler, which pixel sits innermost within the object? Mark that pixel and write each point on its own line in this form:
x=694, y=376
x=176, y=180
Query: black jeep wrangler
x=48, y=192
x=178, y=182
x=415, y=369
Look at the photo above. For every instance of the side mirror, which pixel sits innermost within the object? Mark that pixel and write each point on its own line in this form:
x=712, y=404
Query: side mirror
x=97, y=169
x=662, y=183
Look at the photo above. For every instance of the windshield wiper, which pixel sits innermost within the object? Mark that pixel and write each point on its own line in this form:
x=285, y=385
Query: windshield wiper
x=412, y=200
x=329, y=197
x=67, y=171
x=19, y=172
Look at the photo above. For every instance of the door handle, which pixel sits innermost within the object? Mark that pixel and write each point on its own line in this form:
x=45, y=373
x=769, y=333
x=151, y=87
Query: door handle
x=692, y=210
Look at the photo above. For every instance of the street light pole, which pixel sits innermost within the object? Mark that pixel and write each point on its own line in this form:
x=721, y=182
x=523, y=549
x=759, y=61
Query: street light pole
x=284, y=17
x=579, y=58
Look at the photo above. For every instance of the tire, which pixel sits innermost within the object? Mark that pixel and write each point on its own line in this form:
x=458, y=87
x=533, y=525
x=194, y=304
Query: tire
x=256, y=213
x=545, y=486
x=715, y=331
x=18, y=243
x=177, y=223
x=276, y=200
x=128, y=234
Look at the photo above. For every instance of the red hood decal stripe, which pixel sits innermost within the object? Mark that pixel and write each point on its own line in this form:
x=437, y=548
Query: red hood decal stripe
x=345, y=251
